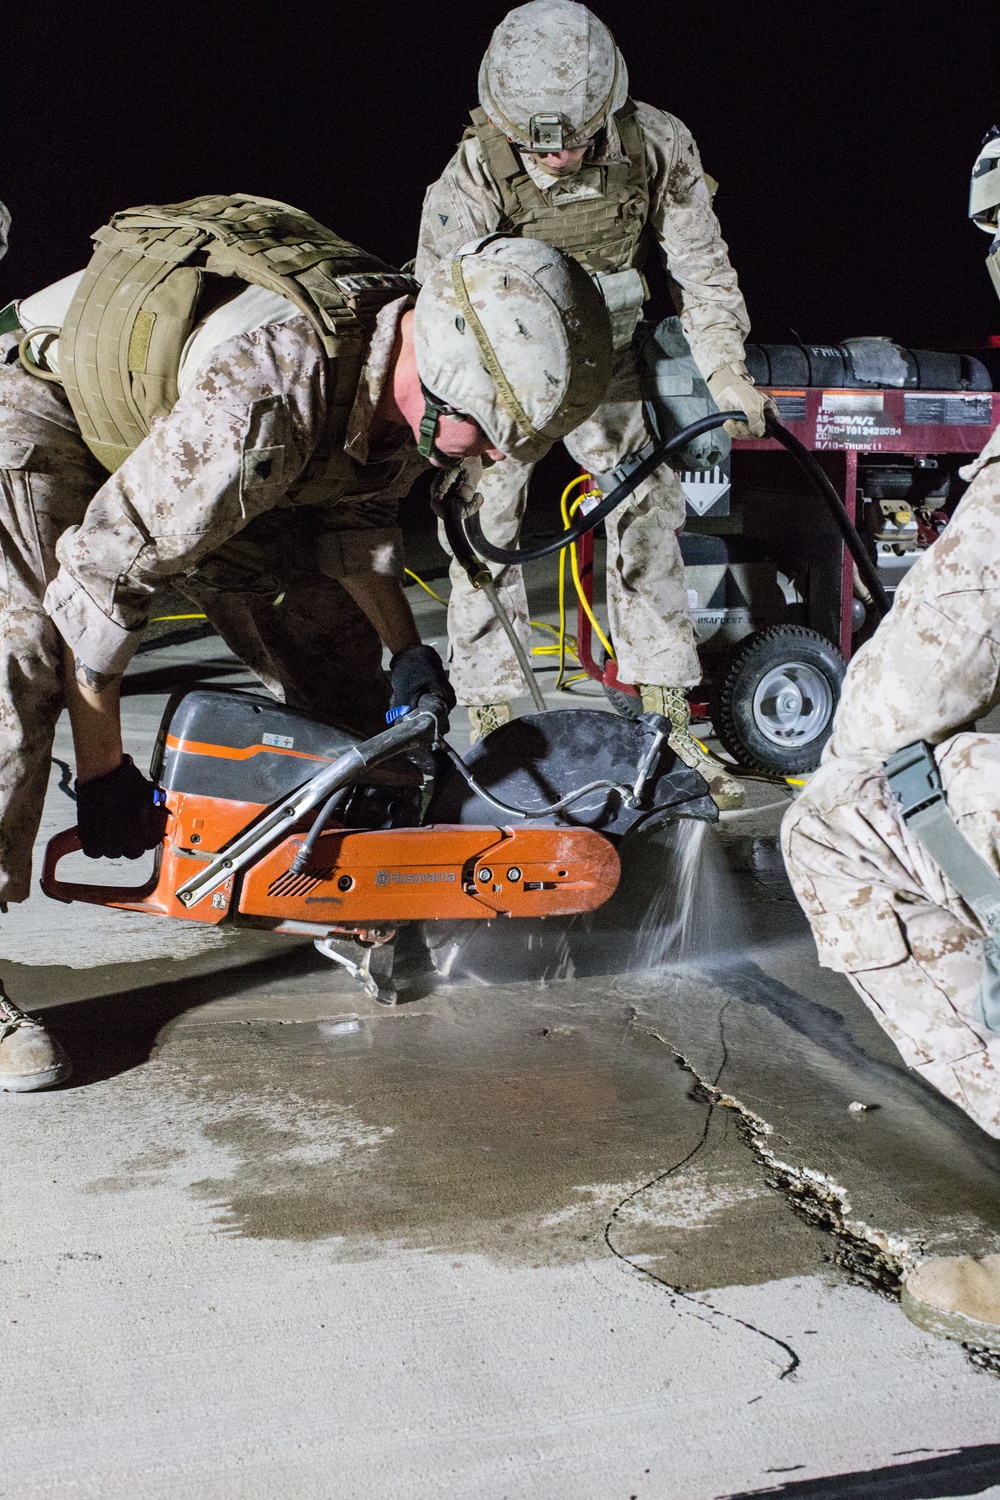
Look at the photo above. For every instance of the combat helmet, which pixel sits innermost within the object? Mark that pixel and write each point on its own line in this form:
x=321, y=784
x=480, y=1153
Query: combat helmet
x=515, y=335
x=552, y=75
x=984, y=199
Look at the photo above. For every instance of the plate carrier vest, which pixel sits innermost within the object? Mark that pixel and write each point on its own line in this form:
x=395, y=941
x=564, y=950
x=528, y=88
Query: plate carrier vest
x=604, y=234
x=121, y=343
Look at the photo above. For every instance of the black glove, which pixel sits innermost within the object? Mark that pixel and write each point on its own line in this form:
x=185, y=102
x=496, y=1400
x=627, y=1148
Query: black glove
x=418, y=677
x=116, y=814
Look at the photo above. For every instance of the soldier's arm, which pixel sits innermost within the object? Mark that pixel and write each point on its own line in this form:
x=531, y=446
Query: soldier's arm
x=713, y=314
x=92, y=700
x=386, y=607
x=462, y=205
x=230, y=449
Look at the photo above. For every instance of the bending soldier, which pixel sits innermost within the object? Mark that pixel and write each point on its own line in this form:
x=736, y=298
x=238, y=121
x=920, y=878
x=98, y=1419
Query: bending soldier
x=262, y=393
x=899, y=901
x=557, y=149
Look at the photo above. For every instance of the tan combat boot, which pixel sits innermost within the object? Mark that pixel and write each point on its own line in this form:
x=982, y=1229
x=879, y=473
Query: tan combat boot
x=485, y=717
x=29, y=1058
x=726, y=792
x=956, y=1297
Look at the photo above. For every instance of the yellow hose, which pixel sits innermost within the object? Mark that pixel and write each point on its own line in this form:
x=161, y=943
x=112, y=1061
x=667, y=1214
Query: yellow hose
x=535, y=624
x=425, y=586
x=567, y=512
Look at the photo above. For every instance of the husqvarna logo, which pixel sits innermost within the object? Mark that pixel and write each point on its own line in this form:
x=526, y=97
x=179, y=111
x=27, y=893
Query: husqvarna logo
x=414, y=877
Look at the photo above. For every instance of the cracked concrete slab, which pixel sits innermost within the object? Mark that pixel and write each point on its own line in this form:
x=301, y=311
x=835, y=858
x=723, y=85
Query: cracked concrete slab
x=566, y=1224
x=502, y=1244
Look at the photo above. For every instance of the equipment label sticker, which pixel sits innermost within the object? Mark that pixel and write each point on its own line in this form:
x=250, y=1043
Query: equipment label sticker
x=706, y=491
x=852, y=419
x=948, y=411
x=279, y=741
x=849, y=402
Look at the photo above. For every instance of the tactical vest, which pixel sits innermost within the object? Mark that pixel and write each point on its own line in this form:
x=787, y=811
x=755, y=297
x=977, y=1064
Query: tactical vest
x=603, y=234
x=121, y=343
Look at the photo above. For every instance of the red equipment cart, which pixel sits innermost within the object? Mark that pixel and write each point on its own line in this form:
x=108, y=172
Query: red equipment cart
x=776, y=605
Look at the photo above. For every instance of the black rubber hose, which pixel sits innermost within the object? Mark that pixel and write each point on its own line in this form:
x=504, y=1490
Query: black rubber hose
x=485, y=548
x=866, y=568
x=466, y=538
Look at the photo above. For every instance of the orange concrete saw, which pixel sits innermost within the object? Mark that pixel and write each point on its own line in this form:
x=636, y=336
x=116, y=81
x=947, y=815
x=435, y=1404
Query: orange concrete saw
x=281, y=822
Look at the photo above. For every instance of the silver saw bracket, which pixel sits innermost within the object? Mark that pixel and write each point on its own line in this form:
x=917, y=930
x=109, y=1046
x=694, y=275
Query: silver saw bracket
x=371, y=965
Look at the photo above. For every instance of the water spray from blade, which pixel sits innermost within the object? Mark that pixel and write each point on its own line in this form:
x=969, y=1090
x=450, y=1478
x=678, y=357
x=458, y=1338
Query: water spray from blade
x=695, y=913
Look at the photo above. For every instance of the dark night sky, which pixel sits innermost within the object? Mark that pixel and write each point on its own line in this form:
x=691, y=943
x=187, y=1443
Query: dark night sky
x=842, y=133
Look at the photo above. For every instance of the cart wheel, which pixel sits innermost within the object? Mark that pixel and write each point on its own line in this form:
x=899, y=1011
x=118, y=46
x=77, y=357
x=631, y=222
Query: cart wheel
x=626, y=704
x=774, y=701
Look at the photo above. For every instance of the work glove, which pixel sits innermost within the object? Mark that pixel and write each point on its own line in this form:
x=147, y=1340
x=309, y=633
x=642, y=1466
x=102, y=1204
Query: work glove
x=461, y=483
x=733, y=389
x=117, y=814
x=419, y=680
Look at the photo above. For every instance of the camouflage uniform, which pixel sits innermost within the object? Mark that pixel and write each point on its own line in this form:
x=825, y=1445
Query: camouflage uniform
x=881, y=911
x=212, y=502
x=647, y=600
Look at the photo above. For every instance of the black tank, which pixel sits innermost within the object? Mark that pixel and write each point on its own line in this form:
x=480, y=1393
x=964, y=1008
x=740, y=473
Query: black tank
x=240, y=746
x=867, y=362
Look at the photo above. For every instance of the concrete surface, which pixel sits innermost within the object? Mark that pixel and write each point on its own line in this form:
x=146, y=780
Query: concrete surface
x=588, y=1216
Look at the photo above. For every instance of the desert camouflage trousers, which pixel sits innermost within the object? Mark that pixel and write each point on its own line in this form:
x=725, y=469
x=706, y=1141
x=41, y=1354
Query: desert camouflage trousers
x=883, y=913
x=651, y=628
x=296, y=628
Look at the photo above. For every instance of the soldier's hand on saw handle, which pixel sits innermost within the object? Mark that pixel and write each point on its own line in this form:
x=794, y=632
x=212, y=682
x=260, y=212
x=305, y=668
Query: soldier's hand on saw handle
x=118, y=815
x=733, y=389
x=419, y=680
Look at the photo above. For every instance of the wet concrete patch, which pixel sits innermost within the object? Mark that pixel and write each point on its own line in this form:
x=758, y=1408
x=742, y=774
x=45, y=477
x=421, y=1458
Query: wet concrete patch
x=519, y=1121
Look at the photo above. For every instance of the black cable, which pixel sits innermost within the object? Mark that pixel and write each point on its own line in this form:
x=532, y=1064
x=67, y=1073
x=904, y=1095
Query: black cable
x=301, y=860
x=485, y=548
x=532, y=812
x=821, y=480
x=465, y=532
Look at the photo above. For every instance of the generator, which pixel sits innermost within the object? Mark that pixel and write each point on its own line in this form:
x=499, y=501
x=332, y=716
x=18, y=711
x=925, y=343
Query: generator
x=777, y=604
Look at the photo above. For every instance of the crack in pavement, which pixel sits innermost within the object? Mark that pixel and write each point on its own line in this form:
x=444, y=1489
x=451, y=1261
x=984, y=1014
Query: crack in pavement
x=710, y=1097
x=872, y=1257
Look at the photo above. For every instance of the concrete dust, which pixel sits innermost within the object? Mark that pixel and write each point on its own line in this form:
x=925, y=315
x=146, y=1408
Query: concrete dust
x=678, y=902
x=695, y=910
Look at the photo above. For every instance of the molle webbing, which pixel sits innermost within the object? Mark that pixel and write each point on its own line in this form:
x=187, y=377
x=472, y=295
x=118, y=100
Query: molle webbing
x=121, y=343
x=604, y=233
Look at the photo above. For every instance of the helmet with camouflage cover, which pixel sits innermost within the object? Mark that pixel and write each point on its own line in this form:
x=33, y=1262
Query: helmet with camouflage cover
x=515, y=335
x=551, y=75
x=984, y=199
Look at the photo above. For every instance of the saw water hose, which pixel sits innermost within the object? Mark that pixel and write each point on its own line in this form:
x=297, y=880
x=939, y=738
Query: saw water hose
x=470, y=546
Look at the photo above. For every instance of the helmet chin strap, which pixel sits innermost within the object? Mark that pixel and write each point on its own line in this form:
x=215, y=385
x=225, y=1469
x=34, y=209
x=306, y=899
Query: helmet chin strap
x=426, y=445
x=433, y=410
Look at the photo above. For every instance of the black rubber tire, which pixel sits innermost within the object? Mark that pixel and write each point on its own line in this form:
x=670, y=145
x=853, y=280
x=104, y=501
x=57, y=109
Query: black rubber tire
x=734, y=718
x=623, y=703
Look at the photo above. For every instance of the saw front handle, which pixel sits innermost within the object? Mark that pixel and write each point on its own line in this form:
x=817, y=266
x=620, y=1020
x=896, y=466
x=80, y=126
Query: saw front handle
x=129, y=897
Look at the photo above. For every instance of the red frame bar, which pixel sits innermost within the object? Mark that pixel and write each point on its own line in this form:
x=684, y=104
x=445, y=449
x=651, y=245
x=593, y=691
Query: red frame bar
x=608, y=675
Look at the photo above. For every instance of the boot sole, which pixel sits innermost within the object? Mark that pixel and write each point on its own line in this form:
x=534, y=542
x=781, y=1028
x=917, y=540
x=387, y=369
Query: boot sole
x=30, y=1083
x=950, y=1325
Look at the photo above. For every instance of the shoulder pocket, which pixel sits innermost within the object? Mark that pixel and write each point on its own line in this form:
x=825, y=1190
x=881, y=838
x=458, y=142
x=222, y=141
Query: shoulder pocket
x=264, y=452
